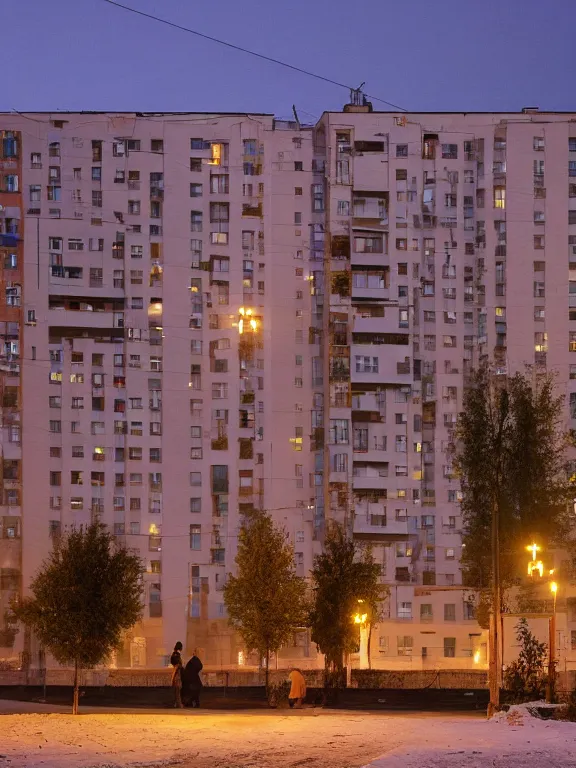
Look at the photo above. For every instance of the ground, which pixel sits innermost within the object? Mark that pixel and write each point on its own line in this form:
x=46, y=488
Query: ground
x=310, y=738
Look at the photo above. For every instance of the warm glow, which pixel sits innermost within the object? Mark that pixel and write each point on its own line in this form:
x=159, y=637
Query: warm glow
x=360, y=618
x=216, y=151
x=241, y=659
x=533, y=548
x=536, y=566
x=553, y=587
x=476, y=657
x=246, y=320
x=153, y=529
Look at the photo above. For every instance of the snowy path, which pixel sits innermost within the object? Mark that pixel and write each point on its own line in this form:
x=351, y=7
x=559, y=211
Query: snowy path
x=293, y=739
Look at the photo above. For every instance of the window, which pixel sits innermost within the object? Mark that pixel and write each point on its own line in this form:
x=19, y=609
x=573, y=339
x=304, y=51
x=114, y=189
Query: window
x=539, y=289
x=55, y=426
x=339, y=463
x=339, y=431
x=499, y=197
x=195, y=190
x=405, y=610
x=541, y=337
x=196, y=479
x=401, y=150
x=134, y=207
x=404, y=645
x=449, y=612
x=449, y=647
x=196, y=221
x=96, y=198
x=365, y=364
x=426, y=613
x=572, y=168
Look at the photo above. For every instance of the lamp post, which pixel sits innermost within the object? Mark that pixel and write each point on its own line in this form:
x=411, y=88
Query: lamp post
x=536, y=567
x=361, y=620
x=550, y=688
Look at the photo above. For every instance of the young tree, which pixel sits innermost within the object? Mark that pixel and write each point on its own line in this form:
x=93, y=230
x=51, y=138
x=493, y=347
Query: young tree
x=526, y=677
x=510, y=455
x=265, y=600
x=342, y=575
x=85, y=594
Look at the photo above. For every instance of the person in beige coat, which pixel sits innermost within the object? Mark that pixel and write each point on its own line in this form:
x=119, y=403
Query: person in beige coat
x=297, y=689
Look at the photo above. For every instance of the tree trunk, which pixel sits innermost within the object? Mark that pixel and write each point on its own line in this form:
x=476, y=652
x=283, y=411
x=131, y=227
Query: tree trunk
x=369, y=646
x=267, y=671
x=75, y=702
x=494, y=670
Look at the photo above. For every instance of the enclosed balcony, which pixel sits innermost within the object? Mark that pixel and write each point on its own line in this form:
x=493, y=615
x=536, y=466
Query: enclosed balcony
x=370, y=209
x=370, y=282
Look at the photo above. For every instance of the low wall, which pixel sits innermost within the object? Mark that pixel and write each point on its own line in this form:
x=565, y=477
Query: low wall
x=246, y=678
x=416, y=679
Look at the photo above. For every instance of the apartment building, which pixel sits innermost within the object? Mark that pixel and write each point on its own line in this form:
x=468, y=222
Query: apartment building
x=447, y=237
x=208, y=313
x=155, y=310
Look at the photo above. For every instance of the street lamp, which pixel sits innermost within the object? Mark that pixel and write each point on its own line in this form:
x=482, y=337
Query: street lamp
x=535, y=565
x=552, y=645
x=361, y=619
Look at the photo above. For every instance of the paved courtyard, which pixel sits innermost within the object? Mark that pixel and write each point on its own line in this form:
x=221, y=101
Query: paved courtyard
x=52, y=738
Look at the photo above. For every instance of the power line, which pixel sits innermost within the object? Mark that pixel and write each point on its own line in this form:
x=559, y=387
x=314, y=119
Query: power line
x=246, y=50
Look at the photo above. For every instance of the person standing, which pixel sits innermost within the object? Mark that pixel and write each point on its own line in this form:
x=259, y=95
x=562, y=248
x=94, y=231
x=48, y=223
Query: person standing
x=193, y=683
x=176, y=661
x=297, y=689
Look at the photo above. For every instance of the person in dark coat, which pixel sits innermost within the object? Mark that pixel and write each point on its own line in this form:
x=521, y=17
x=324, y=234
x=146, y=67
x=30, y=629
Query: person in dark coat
x=191, y=681
x=176, y=682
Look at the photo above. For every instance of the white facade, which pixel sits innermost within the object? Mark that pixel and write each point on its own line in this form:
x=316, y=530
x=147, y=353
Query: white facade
x=369, y=262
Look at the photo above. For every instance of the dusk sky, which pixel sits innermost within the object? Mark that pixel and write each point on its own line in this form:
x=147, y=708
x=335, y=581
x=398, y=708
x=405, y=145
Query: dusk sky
x=451, y=55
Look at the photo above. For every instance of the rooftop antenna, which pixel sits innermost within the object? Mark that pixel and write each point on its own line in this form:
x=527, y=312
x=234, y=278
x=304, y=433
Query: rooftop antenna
x=357, y=97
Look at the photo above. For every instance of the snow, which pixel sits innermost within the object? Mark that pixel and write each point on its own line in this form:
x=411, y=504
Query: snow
x=307, y=738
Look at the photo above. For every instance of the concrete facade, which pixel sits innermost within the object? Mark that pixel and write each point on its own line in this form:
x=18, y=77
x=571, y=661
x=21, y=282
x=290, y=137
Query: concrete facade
x=204, y=313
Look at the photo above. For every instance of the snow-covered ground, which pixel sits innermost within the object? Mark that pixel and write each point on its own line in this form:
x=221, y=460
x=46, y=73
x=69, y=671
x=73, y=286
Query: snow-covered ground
x=307, y=738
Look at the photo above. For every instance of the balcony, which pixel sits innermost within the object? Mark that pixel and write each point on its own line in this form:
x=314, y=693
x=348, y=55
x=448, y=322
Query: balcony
x=393, y=364
x=370, y=210
x=373, y=403
x=379, y=527
x=370, y=482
